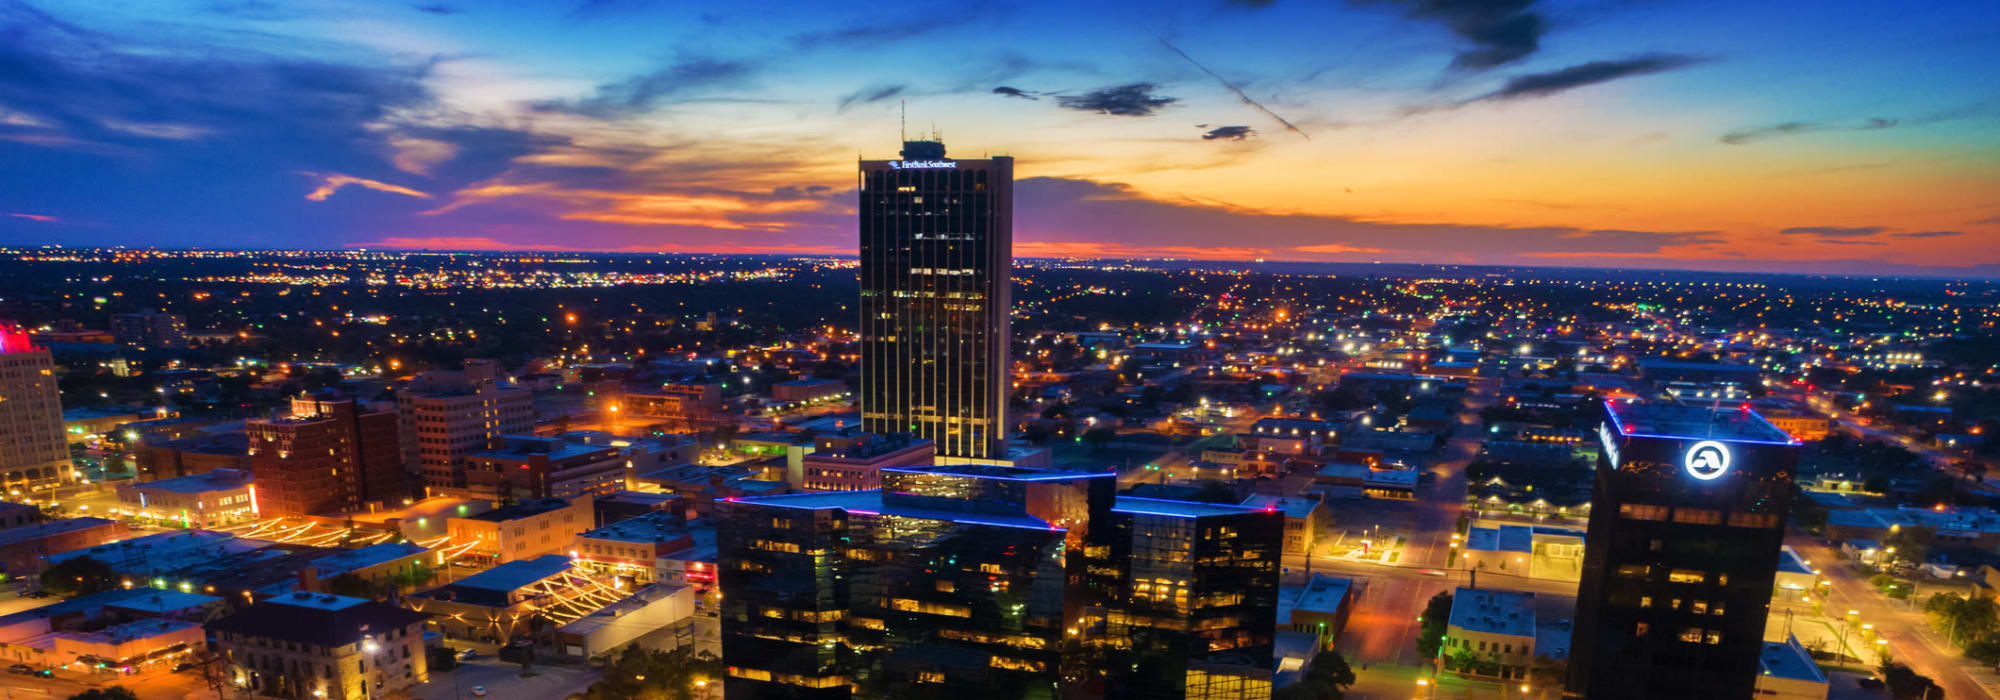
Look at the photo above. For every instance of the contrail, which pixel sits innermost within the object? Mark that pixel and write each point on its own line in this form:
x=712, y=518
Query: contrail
x=1232, y=88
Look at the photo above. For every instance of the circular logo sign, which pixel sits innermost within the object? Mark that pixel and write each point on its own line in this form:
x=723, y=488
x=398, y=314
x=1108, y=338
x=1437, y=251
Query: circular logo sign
x=1707, y=459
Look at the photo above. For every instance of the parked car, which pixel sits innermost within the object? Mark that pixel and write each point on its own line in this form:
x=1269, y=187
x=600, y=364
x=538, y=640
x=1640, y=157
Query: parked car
x=182, y=666
x=22, y=669
x=479, y=691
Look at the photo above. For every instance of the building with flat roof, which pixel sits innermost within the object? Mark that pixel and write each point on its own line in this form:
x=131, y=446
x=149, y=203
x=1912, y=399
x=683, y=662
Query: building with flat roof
x=525, y=530
x=937, y=239
x=1320, y=607
x=194, y=454
x=1491, y=632
x=852, y=460
x=449, y=416
x=208, y=499
x=14, y=515
x=528, y=466
x=326, y=455
x=807, y=392
x=150, y=329
x=24, y=550
x=1688, y=518
x=635, y=549
x=385, y=565
x=1012, y=559
x=325, y=646
x=34, y=456
x=1305, y=518
x=649, y=609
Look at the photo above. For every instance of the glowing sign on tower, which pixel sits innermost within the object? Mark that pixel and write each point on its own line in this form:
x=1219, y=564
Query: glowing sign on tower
x=1707, y=460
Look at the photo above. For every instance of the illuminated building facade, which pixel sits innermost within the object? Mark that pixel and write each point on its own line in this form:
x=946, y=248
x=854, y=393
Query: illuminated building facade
x=329, y=455
x=33, y=453
x=150, y=330
x=1682, y=552
x=449, y=416
x=324, y=646
x=936, y=259
x=1019, y=581
x=965, y=576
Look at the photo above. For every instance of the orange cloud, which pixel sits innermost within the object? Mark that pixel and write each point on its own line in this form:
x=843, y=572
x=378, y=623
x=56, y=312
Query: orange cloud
x=330, y=183
x=36, y=217
x=717, y=210
x=1094, y=249
x=451, y=243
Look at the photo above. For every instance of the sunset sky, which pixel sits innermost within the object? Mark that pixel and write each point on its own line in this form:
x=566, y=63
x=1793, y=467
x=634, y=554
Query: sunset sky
x=1829, y=136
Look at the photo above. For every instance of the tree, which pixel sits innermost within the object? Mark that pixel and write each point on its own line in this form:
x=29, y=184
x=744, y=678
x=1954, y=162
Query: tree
x=116, y=692
x=1905, y=684
x=1911, y=545
x=650, y=674
x=79, y=576
x=353, y=586
x=1430, y=633
x=1216, y=492
x=1098, y=437
x=215, y=670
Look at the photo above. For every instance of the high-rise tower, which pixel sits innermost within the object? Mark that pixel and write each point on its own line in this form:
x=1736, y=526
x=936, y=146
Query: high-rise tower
x=1687, y=520
x=937, y=244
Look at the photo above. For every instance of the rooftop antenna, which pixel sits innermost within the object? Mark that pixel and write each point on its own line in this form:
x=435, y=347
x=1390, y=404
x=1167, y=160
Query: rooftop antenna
x=903, y=128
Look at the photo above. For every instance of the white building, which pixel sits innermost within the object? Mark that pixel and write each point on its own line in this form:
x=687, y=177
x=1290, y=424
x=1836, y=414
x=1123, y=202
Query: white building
x=1494, y=629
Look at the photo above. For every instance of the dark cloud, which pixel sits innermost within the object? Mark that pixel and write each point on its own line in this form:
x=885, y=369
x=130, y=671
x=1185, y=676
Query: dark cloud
x=1133, y=100
x=1015, y=92
x=437, y=9
x=1928, y=234
x=591, y=8
x=1834, y=231
x=1987, y=220
x=642, y=93
x=1848, y=241
x=1500, y=31
x=869, y=95
x=901, y=25
x=1592, y=73
x=1760, y=133
x=1249, y=4
x=1229, y=133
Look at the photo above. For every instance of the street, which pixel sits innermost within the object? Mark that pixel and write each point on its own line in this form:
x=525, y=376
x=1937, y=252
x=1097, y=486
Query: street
x=1911, y=639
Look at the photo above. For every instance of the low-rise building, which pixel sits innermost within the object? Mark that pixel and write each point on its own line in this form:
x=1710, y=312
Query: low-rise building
x=131, y=647
x=1787, y=672
x=194, y=454
x=853, y=460
x=1535, y=551
x=1491, y=633
x=1392, y=484
x=23, y=549
x=325, y=646
x=493, y=605
x=635, y=549
x=205, y=500
x=649, y=609
x=803, y=392
x=383, y=565
x=525, y=530
x=543, y=467
x=13, y=515
x=1319, y=608
x=1305, y=518
x=1796, y=578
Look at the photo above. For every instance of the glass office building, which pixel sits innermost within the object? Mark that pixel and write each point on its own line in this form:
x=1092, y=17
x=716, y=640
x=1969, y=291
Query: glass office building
x=1688, y=516
x=936, y=259
x=993, y=581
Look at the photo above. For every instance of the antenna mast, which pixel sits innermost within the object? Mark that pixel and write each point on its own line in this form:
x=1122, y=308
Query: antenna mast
x=903, y=127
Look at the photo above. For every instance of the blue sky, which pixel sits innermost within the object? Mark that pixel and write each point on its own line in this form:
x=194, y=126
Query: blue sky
x=1824, y=136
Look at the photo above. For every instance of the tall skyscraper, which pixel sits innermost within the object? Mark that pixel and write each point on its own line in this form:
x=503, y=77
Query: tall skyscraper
x=449, y=416
x=999, y=582
x=33, y=453
x=1687, y=520
x=328, y=455
x=937, y=244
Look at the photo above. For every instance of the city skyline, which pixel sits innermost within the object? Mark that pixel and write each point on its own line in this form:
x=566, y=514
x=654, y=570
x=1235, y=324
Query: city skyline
x=1845, y=139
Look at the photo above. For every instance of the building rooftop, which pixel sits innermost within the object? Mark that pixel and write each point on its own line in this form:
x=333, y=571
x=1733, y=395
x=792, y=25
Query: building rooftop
x=316, y=621
x=1788, y=659
x=131, y=631
x=1505, y=538
x=870, y=502
x=160, y=601
x=1493, y=612
x=1001, y=471
x=1292, y=506
x=1687, y=421
x=1177, y=509
x=525, y=447
x=515, y=575
x=371, y=555
x=612, y=614
x=657, y=526
x=49, y=527
x=1323, y=594
x=163, y=552
x=217, y=480
x=524, y=509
